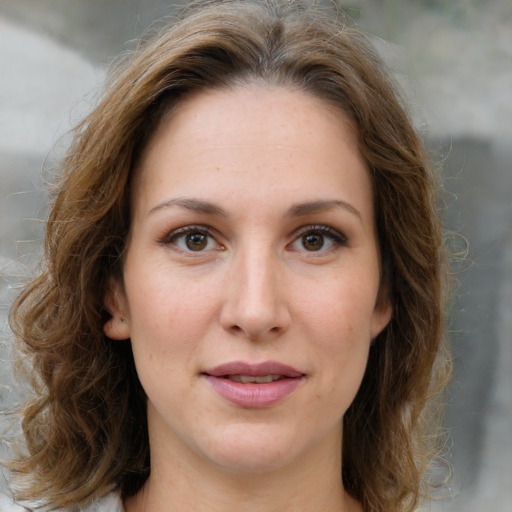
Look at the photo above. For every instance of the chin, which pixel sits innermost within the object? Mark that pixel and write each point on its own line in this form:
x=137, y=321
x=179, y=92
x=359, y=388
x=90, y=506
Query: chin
x=254, y=449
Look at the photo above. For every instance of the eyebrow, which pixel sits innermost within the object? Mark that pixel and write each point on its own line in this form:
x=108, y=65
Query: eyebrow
x=320, y=206
x=297, y=210
x=196, y=205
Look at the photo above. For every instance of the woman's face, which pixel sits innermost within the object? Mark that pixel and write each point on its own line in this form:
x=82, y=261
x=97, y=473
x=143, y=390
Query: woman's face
x=250, y=279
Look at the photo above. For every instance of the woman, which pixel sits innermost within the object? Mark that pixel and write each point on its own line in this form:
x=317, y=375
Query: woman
x=242, y=304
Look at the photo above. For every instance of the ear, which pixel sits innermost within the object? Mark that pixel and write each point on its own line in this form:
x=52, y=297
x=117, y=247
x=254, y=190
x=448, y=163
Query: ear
x=382, y=315
x=116, y=327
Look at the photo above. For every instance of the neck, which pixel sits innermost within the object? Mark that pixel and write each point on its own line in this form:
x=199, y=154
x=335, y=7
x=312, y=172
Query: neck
x=180, y=482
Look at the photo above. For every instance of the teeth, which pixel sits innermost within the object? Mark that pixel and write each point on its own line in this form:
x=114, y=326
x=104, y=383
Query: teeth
x=248, y=379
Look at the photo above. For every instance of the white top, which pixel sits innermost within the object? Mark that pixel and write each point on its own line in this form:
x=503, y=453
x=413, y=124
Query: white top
x=108, y=503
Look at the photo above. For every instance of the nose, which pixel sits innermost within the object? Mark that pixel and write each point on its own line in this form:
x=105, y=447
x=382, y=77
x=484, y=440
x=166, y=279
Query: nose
x=254, y=305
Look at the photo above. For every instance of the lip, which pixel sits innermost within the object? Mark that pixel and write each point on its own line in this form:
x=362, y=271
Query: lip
x=254, y=395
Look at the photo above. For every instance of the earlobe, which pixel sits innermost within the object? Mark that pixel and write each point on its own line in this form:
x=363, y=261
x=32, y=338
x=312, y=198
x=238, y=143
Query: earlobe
x=116, y=327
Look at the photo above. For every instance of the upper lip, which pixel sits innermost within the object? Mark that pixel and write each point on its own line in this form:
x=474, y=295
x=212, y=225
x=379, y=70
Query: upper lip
x=254, y=370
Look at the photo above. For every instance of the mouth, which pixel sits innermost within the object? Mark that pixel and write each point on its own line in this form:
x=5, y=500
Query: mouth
x=249, y=379
x=254, y=385
x=260, y=373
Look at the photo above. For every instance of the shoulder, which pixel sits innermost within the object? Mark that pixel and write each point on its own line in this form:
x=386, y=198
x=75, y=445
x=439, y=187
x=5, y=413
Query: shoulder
x=7, y=505
x=111, y=502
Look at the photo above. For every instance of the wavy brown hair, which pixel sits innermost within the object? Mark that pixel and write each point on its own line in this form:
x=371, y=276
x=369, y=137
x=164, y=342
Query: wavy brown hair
x=86, y=430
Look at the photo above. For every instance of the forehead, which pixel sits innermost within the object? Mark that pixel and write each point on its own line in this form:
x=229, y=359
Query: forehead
x=274, y=111
x=271, y=137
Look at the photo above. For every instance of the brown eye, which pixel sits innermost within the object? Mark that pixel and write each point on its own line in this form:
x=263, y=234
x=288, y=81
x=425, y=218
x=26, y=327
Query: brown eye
x=318, y=238
x=313, y=241
x=192, y=239
x=196, y=241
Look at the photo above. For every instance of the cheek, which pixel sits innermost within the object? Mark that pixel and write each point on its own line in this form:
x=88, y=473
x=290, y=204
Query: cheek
x=343, y=308
x=339, y=324
x=167, y=311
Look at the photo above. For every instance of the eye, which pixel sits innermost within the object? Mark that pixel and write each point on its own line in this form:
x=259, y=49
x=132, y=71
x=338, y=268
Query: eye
x=192, y=239
x=318, y=239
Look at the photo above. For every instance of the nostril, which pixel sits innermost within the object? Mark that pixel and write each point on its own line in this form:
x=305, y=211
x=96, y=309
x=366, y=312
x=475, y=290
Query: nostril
x=236, y=329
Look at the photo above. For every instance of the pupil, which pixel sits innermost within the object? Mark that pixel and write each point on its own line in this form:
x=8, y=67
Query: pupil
x=196, y=241
x=313, y=242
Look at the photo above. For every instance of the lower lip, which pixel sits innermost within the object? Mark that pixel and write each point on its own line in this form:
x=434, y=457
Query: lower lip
x=254, y=395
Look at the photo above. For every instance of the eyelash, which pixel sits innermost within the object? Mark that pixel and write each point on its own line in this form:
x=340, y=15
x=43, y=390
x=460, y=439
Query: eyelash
x=337, y=238
x=171, y=238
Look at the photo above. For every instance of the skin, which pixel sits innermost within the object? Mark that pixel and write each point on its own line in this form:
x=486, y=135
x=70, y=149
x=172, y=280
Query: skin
x=286, y=268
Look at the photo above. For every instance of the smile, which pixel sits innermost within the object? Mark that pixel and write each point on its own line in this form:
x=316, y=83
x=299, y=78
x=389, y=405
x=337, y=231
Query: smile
x=246, y=379
x=254, y=386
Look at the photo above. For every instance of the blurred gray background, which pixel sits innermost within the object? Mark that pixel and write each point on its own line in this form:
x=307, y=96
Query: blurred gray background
x=454, y=61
